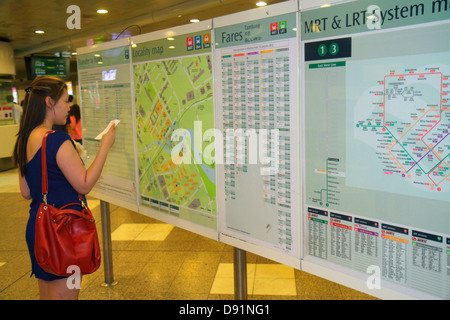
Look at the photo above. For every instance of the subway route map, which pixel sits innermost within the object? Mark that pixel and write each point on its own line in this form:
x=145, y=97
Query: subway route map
x=406, y=118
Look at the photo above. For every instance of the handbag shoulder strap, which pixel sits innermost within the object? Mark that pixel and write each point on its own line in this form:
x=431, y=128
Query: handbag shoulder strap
x=44, y=165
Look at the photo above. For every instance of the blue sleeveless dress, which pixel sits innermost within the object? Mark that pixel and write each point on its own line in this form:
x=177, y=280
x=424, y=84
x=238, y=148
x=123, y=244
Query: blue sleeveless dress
x=60, y=192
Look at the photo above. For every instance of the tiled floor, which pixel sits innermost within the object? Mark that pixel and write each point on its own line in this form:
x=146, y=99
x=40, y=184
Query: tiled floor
x=154, y=260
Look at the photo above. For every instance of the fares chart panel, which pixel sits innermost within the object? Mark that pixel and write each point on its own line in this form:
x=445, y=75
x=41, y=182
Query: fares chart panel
x=256, y=89
x=377, y=141
x=105, y=95
x=173, y=92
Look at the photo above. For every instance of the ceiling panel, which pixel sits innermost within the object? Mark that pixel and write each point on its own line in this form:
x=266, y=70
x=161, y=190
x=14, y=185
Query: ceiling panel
x=20, y=18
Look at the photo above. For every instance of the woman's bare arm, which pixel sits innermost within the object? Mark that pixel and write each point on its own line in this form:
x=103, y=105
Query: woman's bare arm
x=82, y=179
x=24, y=189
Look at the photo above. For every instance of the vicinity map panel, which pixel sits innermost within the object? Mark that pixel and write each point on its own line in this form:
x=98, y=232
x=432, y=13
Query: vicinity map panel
x=173, y=94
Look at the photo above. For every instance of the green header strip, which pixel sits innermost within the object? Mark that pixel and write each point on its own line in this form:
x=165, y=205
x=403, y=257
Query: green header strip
x=369, y=15
x=267, y=29
x=104, y=58
x=327, y=65
x=187, y=44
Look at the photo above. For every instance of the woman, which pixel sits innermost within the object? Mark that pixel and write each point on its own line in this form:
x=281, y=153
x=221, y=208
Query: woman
x=47, y=104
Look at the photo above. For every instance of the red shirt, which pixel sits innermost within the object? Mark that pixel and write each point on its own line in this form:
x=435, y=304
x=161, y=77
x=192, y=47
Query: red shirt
x=76, y=128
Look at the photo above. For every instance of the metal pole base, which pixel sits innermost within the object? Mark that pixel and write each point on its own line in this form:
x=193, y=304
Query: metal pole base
x=107, y=285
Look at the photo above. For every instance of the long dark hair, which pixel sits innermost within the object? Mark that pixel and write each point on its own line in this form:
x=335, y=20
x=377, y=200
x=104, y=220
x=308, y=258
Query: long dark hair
x=34, y=111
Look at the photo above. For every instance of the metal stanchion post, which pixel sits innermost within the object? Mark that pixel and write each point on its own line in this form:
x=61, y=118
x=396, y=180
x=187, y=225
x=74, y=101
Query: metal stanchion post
x=240, y=274
x=107, y=248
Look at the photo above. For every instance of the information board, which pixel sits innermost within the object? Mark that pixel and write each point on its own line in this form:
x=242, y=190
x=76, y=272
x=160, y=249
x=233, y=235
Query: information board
x=50, y=66
x=376, y=143
x=344, y=174
x=173, y=97
x=256, y=90
x=105, y=94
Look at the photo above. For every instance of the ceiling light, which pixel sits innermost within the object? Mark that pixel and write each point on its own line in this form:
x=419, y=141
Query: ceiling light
x=170, y=39
x=74, y=53
x=194, y=20
x=102, y=11
x=325, y=5
x=261, y=4
x=39, y=31
x=172, y=47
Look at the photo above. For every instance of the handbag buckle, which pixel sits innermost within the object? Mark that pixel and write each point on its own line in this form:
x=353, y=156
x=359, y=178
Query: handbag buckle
x=44, y=198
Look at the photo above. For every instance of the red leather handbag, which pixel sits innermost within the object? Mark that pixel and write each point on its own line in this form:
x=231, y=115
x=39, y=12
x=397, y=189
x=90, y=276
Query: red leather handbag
x=65, y=237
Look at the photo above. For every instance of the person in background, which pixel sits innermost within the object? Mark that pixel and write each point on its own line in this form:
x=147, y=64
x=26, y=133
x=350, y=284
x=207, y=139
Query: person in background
x=46, y=104
x=75, y=123
x=67, y=128
x=17, y=108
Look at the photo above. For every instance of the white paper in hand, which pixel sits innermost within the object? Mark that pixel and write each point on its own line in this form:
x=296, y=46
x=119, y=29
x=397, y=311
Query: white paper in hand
x=112, y=122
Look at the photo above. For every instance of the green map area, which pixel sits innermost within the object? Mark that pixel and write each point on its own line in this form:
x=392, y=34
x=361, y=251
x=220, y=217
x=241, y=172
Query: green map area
x=170, y=95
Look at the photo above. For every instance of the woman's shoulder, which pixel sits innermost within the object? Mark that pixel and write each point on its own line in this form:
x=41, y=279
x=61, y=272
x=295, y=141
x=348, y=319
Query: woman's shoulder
x=37, y=135
x=34, y=142
x=59, y=134
x=54, y=141
x=58, y=137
